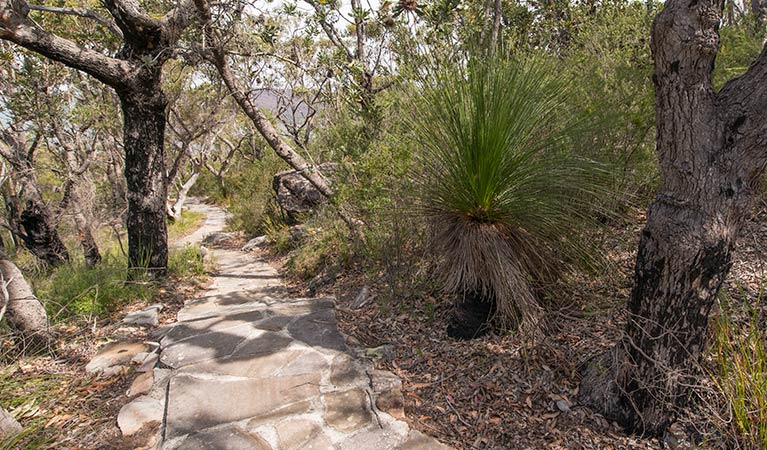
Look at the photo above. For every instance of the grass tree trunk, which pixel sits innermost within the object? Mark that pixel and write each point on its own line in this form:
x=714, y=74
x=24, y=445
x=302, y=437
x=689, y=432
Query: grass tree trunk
x=23, y=311
x=144, y=131
x=712, y=150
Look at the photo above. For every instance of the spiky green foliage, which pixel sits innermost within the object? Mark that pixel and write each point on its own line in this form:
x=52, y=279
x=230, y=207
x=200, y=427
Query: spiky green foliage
x=741, y=356
x=499, y=181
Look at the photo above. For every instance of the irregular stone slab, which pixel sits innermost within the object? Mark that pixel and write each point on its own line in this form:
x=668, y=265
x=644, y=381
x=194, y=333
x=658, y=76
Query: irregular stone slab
x=279, y=414
x=310, y=361
x=227, y=304
x=419, y=441
x=147, y=317
x=148, y=363
x=345, y=371
x=347, y=411
x=190, y=328
x=198, y=403
x=218, y=239
x=300, y=434
x=274, y=323
x=206, y=346
x=375, y=438
x=142, y=384
x=140, y=412
x=115, y=354
x=298, y=307
x=255, y=366
x=227, y=438
x=319, y=330
x=388, y=392
x=9, y=427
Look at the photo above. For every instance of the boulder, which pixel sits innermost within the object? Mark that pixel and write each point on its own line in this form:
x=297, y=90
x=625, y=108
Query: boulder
x=295, y=194
x=141, y=412
x=217, y=239
x=146, y=317
x=255, y=243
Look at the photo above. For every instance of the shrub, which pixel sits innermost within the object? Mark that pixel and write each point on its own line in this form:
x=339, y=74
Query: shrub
x=504, y=192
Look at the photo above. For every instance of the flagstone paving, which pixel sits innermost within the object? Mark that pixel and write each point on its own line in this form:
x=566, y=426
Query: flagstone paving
x=248, y=367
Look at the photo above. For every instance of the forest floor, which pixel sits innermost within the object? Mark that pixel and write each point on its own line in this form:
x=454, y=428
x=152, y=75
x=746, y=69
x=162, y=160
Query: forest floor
x=492, y=393
x=504, y=392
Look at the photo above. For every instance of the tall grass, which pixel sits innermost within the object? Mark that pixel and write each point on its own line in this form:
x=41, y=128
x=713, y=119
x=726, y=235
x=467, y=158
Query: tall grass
x=498, y=179
x=76, y=290
x=741, y=356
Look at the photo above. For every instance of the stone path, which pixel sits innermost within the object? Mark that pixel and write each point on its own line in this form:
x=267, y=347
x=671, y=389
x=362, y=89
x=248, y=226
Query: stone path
x=248, y=367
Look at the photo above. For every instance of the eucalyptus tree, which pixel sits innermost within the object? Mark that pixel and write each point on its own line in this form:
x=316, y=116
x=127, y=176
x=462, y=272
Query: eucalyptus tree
x=362, y=49
x=712, y=149
x=214, y=50
x=135, y=74
x=29, y=216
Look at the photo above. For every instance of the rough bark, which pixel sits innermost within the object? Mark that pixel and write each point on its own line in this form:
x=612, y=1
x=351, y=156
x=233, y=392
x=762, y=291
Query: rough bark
x=712, y=149
x=759, y=10
x=144, y=130
x=91, y=251
x=31, y=221
x=74, y=186
x=24, y=313
x=29, y=216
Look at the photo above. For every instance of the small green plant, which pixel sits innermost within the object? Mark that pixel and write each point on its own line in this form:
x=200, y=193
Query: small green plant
x=186, y=262
x=742, y=372
x=499, y=181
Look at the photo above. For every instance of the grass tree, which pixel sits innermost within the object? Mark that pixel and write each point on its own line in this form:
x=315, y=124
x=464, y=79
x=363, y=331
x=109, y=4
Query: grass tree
x=501, y=185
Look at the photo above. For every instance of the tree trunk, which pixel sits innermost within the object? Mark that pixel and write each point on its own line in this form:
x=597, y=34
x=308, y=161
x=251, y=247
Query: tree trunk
x=175, y=210
x=25, y=313
x=144, y=128
x=712, y=150
x=33, y=221
x=73, y=199
x=759, y=10
x=87, y=241
x=114, y=171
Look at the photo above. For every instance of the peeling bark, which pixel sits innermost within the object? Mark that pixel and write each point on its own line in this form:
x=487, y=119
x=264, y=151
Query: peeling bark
x=712, y=149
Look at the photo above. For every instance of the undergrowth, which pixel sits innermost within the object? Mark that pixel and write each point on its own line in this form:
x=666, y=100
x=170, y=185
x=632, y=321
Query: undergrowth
x=76, y=290
x=740, y=345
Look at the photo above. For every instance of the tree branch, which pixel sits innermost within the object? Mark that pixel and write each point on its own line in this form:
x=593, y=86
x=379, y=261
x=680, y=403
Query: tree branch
x=329, y=30
x=136, y=25
x=745, y=100
x=81, y=12
x=15, y=26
